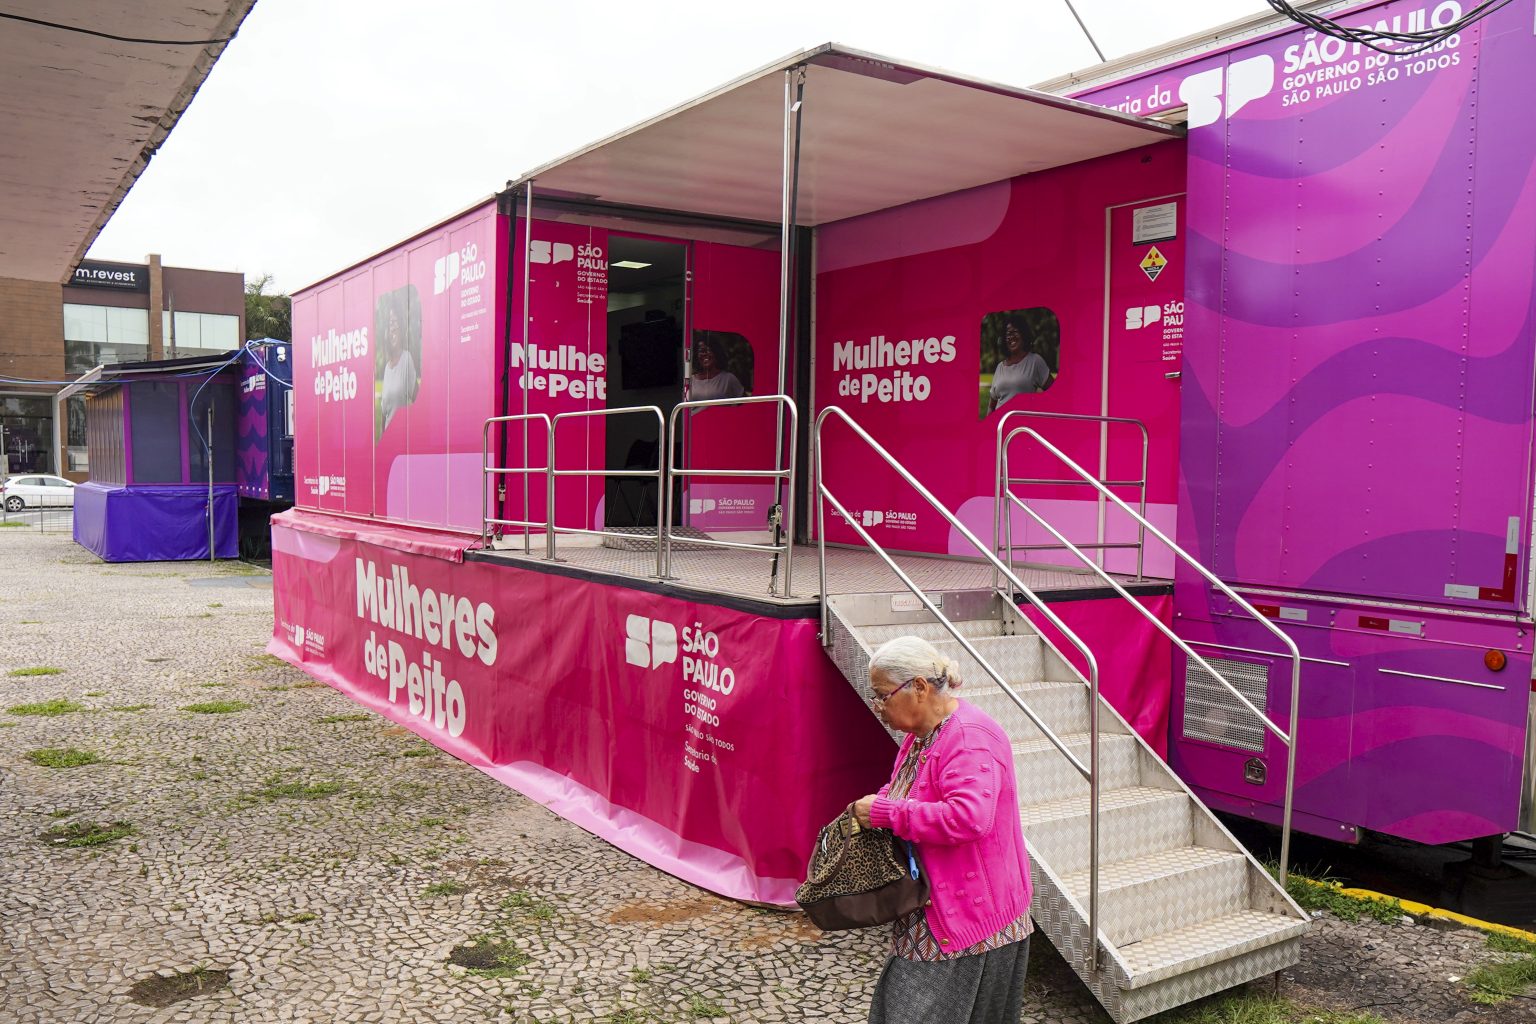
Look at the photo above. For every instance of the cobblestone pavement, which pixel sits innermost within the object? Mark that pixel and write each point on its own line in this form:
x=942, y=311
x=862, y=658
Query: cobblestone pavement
x=332, y=863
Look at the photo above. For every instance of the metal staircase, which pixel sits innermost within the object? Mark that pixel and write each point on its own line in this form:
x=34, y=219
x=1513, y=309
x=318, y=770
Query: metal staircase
x=1119, y=847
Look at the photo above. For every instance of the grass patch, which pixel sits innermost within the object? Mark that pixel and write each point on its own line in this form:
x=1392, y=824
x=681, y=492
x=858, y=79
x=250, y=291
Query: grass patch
x=62, y=757
x=1502, y=943
x=1253, y=1008
x=445, y=889
x=47, y=708
x=208, y=685
x=489, y=957
x=60, y=814
x=333, y=719
x=277, y=790
x=1329, y=896
x=303, y=917
x=86, y=833
x=698, y=1006
x=266, y=661
x=528, y=905
x=217, y=604
x=129, y=707
x=217, y=707
x=641, y=975
x=12, y=524
x=419, y=752
x=36, y=670
x=1491, y=984
x=96, y=693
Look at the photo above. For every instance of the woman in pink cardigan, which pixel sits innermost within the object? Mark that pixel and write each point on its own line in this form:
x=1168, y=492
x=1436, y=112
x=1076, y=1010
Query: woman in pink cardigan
x=963, y=957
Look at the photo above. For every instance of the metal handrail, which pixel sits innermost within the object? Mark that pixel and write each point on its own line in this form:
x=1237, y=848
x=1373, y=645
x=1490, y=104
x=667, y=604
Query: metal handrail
x=1289, y=739
x=1090, y=772
x=487, y=471
x=787, y=474
x=660, y=473
x=1004, y=481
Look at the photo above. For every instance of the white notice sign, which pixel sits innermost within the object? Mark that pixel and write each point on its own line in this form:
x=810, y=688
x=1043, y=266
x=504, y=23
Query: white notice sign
x=1155, y=224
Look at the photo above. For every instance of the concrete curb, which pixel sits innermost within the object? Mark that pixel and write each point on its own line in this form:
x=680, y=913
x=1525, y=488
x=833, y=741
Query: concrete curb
x=1422, y=910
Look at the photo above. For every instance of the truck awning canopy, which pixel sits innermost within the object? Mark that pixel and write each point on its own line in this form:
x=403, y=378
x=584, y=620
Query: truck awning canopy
x=81, y=114
x=875, y=133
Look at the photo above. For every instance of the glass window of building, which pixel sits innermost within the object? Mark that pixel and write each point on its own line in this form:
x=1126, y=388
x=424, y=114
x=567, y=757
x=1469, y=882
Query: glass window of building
x=94, y=335
x=77, y=455
x=201, y=334
x=26, y=432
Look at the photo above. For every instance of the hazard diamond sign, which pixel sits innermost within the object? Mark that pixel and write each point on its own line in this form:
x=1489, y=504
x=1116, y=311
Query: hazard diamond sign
x=1153, y=263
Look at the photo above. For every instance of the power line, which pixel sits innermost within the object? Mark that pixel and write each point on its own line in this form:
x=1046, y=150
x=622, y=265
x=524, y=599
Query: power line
x=1385, y=40
x=108, y=35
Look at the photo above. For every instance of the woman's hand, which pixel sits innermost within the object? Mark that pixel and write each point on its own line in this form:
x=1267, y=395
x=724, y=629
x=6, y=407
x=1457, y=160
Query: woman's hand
x=861, y=808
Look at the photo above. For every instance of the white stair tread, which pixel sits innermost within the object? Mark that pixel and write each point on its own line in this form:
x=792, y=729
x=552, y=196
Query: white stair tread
x=931, y=630
x=1076, y=739
x=984, y=686
x=1153, y=866
x=1077, y=806
x=1184, y=949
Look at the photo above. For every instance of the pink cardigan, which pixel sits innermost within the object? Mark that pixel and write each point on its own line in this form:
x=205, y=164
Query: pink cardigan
x=963, y=815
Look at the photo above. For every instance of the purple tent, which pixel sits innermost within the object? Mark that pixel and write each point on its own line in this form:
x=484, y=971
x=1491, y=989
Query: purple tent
x=151, y=431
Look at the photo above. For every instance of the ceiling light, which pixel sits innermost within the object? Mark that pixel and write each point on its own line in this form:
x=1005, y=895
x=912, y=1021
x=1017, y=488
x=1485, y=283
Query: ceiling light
x=630, y=265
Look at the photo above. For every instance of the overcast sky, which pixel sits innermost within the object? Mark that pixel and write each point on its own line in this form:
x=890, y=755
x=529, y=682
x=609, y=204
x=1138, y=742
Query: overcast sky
x=329, y=130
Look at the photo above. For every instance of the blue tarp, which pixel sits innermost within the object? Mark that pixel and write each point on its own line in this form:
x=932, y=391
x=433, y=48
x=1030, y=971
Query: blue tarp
x=159, y=523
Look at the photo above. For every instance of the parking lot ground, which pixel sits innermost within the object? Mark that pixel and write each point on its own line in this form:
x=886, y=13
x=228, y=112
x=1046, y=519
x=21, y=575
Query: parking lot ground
x=192, y=831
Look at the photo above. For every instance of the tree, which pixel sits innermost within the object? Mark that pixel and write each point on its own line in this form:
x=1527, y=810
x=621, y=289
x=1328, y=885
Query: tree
x=267, y=316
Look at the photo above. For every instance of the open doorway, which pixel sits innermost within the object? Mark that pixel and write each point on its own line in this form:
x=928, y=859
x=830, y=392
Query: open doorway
x=647, y=320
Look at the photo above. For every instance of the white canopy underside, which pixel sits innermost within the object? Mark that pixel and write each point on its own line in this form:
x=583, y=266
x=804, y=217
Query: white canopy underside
x=80, y=116
x=874, y=134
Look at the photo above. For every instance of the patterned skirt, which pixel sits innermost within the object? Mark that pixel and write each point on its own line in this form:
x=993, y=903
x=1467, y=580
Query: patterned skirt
x=984, y=988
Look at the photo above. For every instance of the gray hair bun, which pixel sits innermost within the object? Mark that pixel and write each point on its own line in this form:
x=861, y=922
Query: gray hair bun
x=909, y=657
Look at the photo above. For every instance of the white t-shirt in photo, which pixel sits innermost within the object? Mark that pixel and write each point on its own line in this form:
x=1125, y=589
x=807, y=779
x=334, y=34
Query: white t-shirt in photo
x=1026, y=377
x=399, y=386
x=722, y=385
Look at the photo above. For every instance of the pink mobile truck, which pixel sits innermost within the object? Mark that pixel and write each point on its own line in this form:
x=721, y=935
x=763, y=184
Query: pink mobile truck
x=1271, y=291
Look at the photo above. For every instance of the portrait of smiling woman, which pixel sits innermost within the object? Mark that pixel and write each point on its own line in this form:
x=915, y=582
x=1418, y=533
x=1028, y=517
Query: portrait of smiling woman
x=953, y=794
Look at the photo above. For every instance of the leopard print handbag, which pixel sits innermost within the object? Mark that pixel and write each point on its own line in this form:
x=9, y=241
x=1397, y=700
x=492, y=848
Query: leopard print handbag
x=859, y=877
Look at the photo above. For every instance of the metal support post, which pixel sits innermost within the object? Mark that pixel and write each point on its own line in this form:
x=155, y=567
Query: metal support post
x=549, y=513
x=210, y=479
x=794, y=96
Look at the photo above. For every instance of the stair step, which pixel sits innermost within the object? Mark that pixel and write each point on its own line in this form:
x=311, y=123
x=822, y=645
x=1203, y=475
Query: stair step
x=1194, y=946
x=1062, y=706
x=1017, y=658
x=874, y=636
x=1133, y=822
x=1166, y=890
x=1045, y=775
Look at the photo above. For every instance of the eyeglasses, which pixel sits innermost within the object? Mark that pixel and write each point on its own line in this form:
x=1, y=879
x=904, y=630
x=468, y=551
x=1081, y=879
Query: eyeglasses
x=878, y=700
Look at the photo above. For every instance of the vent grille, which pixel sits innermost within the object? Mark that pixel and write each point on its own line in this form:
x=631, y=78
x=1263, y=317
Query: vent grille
x=1211, y=713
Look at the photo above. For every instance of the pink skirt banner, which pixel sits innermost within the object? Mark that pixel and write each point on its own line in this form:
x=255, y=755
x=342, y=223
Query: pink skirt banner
x=710, y=742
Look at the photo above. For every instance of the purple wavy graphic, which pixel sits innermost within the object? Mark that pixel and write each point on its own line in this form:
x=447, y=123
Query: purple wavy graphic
x=1357, y=416
x=251, y=447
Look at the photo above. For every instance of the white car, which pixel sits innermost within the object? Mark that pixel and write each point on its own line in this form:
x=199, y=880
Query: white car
x=37, y=490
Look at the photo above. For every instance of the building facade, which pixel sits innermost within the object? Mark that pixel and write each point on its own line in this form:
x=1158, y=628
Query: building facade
x=108, y=313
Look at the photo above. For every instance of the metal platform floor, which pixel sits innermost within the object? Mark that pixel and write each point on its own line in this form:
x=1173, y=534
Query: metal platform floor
x=718, y=572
